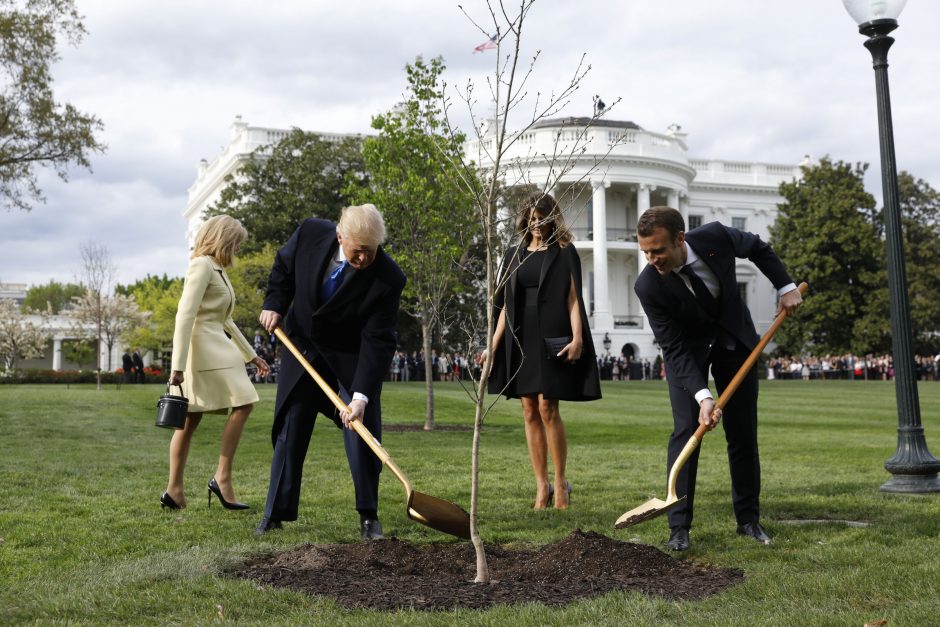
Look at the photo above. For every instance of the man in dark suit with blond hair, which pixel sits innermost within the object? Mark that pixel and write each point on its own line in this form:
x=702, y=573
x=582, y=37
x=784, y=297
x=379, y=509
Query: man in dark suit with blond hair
x=337, y=293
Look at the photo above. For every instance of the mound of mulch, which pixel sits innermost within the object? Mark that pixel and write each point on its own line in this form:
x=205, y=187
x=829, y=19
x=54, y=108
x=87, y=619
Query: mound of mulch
x=419, y=426
x=389, y=574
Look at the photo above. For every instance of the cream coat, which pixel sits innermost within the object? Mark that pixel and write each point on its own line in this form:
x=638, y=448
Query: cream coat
x=213, y=365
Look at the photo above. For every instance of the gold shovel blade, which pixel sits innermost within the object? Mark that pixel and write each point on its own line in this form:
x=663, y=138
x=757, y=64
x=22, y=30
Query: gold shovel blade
x=439, y=514
x=651, y=509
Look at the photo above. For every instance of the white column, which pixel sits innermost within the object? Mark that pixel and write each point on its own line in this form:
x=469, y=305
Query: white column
x=642, y=204
x=684, y=207
x=672, y=198
x=57, y=354
x=603, y=320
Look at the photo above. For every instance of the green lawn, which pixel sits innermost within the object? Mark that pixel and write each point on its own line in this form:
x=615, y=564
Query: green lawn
x=82, y=537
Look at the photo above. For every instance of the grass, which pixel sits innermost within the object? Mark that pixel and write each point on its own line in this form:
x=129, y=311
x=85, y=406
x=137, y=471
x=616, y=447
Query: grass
x=84, y=540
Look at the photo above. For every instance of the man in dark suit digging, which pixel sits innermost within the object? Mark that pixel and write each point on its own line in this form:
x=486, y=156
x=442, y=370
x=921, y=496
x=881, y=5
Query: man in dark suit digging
x=338, y=294
x=690, y=294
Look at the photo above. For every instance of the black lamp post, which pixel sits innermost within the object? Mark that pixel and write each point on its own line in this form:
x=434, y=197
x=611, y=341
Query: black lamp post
x=607, y=342
x=913, y=468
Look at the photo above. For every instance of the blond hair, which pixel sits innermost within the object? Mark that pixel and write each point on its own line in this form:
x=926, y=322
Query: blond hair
x=362, y=224
x=219, y=237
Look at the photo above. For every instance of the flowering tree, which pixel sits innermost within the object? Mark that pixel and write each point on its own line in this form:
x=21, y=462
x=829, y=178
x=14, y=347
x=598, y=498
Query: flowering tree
x=118, y=316
x=97, y=276
x=19, y=337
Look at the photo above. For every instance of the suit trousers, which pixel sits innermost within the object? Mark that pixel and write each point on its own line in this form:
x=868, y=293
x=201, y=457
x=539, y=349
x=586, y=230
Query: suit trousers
x=739, y=422
x=290, y=450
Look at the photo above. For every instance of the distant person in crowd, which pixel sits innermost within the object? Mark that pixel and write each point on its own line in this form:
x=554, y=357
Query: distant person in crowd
x=540, y=300
x=403, y=366
x=209, y=356
x=258, y=342
x=138, y=366
x=127, y=364
x=689, y=293
x=338, y=294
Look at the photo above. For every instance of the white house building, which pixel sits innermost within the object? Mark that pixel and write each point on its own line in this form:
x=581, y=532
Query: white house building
x=622, y=171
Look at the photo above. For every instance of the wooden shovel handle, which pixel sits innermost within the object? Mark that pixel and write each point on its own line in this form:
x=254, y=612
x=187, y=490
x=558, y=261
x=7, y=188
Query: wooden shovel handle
x=749, y=362
x=360, y=428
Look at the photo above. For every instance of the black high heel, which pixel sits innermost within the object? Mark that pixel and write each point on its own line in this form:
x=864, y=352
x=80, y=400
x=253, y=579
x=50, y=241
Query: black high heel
x=167, y=501
x=214, y=489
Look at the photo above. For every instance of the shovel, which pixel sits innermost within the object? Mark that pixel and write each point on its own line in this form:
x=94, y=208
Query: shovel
x=654, y=507
x=426, y=509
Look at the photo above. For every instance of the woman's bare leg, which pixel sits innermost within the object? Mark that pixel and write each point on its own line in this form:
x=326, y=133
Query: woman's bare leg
x=179, y=453
x=231, y=435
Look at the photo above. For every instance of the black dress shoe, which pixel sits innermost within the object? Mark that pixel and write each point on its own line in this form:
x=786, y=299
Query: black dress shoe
x=266, y=525
x=754, y=530
x=167, y=501
x=217, y=491
x=679, y=540
x=371, y=529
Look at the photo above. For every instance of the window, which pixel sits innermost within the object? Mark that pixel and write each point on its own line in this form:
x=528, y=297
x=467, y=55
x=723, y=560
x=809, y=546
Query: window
x=742, y=292
x=739, y=223
x=695, y=222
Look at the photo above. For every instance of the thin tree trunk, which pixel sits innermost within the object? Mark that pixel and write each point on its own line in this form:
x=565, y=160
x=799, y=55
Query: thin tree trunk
x=428, y=372
x=98, y=351
x=483, y=570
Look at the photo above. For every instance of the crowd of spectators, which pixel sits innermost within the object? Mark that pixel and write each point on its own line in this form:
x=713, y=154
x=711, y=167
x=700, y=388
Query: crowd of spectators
x=445, y=366
x=867, y=368
x=448, y=366
x=269, y=350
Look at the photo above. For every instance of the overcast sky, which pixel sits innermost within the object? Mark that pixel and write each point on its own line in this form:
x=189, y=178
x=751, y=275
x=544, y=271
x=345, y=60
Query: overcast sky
x=748, y=80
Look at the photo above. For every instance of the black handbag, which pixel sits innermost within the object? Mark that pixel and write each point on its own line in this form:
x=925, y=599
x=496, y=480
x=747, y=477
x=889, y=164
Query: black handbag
x=553, y=345
x=171, y=409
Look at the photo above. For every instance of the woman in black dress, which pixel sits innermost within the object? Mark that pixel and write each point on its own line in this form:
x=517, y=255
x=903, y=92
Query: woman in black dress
x=539, y=297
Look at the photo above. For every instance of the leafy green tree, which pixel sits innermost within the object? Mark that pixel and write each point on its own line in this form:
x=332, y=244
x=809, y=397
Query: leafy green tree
x=824, y=235
x=920, y=228
x=53, y=297
x=429, y=214
x=150, y=282
x=301, y=176
x=159, y=296
x=249, y=276
x=36, y=130
x=79, y=352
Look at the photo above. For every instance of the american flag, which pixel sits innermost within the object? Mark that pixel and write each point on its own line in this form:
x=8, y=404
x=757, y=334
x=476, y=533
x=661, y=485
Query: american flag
x=489, y=44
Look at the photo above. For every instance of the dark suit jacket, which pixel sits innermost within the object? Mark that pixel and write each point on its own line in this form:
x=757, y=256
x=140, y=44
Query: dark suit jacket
x=580, y=382
x=126, y=362
x=353, y=333
x=138, y=361
x=681, y=327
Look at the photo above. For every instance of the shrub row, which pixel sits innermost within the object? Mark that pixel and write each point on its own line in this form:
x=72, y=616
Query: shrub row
x=67, y=376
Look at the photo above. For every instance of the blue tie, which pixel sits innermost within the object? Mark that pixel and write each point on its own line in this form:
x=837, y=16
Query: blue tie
x=332, y=284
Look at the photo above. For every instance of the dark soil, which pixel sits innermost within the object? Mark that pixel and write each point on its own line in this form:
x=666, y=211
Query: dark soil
x=389, y=574
x=419, y=426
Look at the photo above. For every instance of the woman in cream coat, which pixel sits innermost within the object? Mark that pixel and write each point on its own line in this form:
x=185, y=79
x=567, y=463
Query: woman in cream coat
x=209, y=357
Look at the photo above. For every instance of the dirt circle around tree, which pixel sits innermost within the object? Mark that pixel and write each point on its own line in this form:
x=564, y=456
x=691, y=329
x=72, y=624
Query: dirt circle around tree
x=391, y=574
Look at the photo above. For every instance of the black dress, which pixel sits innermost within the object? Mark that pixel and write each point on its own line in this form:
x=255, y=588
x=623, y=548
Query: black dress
x=528, y=361
x=534, y=300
